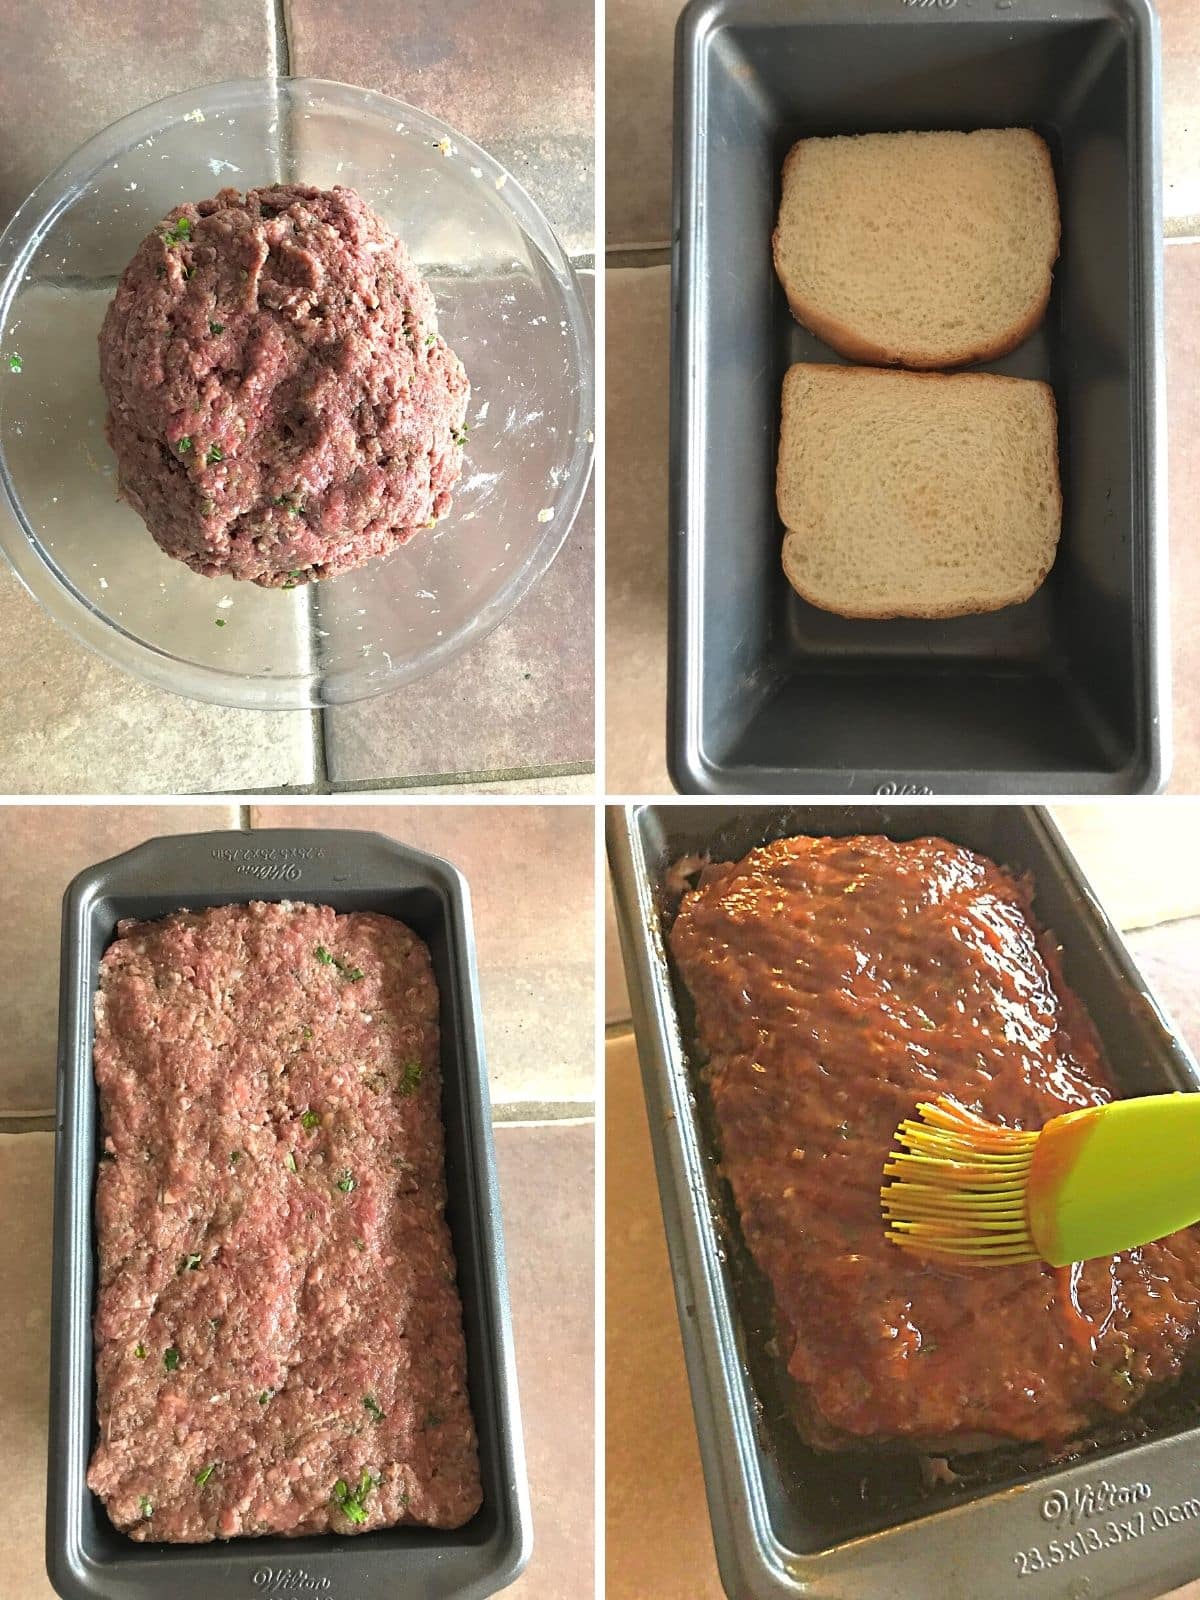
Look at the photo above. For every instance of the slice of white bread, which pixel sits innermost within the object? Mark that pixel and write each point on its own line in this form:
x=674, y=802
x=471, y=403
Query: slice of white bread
x=916, y=494
x=919, y=249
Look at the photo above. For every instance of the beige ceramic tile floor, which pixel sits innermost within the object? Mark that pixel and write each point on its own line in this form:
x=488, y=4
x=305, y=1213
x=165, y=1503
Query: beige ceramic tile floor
x=544, y=1171
x=68, y=70
x=1180, y=22
x=26, y=1192
x=638, y=46
x=657, y=1537
x=547, y=1184
x=616, y=997
x=635, y=567
x=1182, y=286
x=579, y=783
x=1138, y=855
x=72, y=724
x=524, y=90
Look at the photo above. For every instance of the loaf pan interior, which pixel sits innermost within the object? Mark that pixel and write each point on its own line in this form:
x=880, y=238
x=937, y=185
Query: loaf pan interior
x=1056, y=695
x=815, y=1500
x=351, y=872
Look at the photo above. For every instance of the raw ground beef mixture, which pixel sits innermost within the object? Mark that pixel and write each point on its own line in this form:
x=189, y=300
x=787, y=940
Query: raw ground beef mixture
x=281, y=404
x=838, y=982
x=279, y=1340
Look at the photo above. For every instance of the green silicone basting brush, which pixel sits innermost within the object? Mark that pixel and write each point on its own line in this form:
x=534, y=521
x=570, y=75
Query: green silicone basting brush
x=1090, y=1183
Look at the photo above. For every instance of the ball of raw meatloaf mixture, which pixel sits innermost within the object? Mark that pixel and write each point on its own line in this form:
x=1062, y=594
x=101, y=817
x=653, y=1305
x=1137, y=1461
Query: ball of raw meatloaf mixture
x=280, y=402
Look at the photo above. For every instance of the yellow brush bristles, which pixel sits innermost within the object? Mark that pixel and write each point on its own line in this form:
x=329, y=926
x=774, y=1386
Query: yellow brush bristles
x=958, y=1189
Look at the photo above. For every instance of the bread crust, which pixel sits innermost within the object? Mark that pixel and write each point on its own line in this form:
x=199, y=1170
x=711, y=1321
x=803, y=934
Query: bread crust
x=975, y=608
x=966, y=608
x=847, y=342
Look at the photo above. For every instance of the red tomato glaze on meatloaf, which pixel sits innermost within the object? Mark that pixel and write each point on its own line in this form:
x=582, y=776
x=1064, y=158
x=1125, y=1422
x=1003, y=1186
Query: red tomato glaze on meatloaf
x=279, y=1342
x=837, y=982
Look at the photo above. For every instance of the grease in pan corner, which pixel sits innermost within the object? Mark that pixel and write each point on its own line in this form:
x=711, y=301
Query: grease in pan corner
x=836, y=982
x=918, y=494
x=278, y=1330
x=280, y=402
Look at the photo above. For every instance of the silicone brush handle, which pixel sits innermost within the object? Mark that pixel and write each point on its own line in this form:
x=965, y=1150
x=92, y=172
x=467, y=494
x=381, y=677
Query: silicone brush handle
x=1111, y=1177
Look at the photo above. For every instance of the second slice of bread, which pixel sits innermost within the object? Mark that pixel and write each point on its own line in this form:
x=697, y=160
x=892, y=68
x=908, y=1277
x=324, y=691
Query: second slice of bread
x=919, y=249
x=909, y=494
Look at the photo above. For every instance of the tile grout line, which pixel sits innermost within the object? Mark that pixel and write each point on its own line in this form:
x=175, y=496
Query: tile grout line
x=1163, y=922
x=513, y=1113
x=281, y=52
x=640, y=255
x=402, y=785
x=320, y=754
x=588, y=1121
x=565, y=769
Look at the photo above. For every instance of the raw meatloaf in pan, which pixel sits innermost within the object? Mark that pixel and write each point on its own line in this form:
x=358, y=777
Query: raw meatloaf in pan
x=278, y=1331
x=837, y=983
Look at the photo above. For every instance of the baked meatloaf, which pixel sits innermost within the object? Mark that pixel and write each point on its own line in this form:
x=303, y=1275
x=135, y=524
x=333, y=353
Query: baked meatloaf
x=279, y=1339
x=280, y=402
x=837, y=982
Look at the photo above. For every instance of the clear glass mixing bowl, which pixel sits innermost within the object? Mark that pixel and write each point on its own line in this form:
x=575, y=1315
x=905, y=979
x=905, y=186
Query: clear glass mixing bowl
x=508, y=303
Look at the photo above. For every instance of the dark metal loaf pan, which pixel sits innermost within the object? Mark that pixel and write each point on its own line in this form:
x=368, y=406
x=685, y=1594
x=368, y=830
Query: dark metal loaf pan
x=1067, y=693
x=1122, y=1519
x=86, y=1556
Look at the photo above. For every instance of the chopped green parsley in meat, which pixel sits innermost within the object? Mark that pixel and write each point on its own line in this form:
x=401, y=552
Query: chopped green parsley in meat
x=279, y=1248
